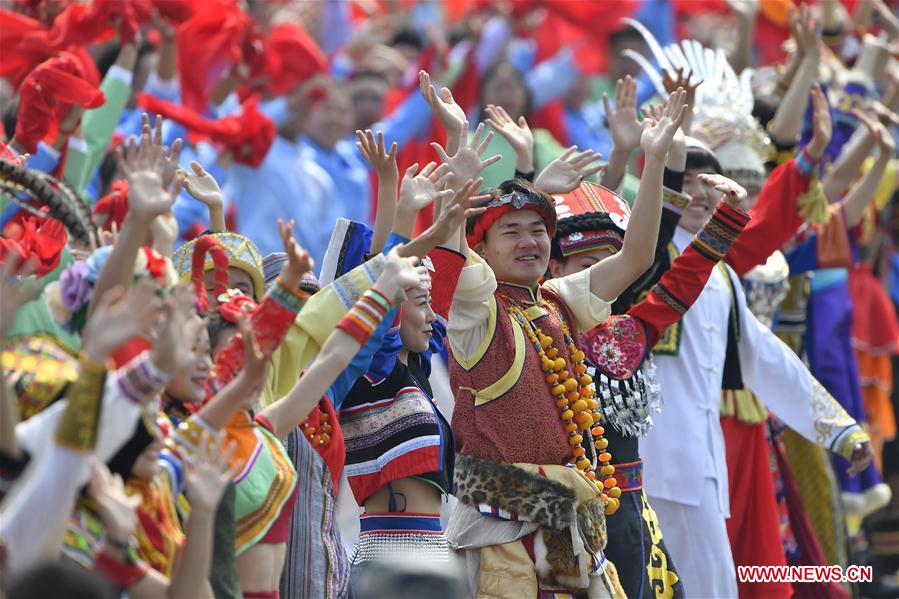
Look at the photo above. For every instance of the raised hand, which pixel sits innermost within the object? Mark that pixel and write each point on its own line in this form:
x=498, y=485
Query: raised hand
x=466, y=163
x=18, y=288
x=658, y=135
x=382, y=161
x=517, y=134
x=804, y=28
x=822, y=126
x=672, y=81
x=448, y=223
x=119, y=316
x=144, y=167
x=566, y=172
x=419, y=190
x=299, y=262
x=174, y=347
x=444, y=107
x=203, y=187
x=623, y=123
x=117, y=509
x=713, y=133
x=734, y=194
x=209, y=472
x=401, y=273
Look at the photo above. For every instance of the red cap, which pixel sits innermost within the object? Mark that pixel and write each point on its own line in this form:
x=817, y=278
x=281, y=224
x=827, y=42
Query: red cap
x=291, y=57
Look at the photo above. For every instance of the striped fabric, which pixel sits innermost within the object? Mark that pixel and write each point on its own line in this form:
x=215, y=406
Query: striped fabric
x=389, y=438
x=316, y=563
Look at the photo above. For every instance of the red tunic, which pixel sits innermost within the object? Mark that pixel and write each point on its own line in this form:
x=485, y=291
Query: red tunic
x=523, y=424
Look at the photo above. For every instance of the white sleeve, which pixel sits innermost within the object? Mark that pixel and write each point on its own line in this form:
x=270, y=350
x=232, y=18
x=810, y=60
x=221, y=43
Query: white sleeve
x=40, y=504
x=587, y=309
x=473, y=304
x=779, y=378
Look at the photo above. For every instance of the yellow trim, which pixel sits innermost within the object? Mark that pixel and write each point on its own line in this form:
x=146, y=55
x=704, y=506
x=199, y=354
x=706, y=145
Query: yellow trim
x=534, y=312
x=508, y=380
x=476, y=356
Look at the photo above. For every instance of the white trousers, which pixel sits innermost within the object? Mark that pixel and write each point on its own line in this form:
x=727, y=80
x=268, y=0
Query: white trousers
x=696, y=538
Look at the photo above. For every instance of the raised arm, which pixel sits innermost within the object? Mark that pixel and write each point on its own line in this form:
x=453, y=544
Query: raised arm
x=351, y=333
x=862, y=193
x=444, y=107
x=846, y=168
x=384, y=165
x=147, y=200
x=625, y=129
x=610, y=277
x=786, y=126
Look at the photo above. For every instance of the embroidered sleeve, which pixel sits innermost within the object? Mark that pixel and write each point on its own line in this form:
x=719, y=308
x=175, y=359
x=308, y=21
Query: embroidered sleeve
x=270, y=322
x=672, y=209
x=776, y=217
x=679, y=287
x=782, y=382
x=314, y=323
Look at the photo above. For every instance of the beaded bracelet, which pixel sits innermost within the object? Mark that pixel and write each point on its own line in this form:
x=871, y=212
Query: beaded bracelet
x=364, y=317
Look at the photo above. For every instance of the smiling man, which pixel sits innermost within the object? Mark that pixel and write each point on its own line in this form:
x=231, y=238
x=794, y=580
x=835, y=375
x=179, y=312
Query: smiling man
x=527, y=520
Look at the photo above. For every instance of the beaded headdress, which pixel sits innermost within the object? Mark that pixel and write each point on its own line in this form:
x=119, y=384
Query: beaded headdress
x=591, y=217
x=723, y=97
x=231, y=302
x=241, y=252
x=501, y=204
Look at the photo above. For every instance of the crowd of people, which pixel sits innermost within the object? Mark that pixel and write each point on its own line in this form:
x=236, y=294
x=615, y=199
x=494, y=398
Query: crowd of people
x=448, y=298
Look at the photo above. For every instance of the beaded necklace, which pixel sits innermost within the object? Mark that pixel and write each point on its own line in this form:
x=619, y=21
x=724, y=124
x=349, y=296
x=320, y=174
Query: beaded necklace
x=579, y=411
x=317, y=437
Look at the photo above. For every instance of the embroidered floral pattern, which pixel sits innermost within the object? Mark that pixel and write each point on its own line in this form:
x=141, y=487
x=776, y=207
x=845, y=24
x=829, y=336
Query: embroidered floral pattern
x=617, y=347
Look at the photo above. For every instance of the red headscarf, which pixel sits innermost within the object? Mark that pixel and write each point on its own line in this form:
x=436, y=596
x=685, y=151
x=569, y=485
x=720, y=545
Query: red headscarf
x=248, y=135
x=291, y=56
x=48, y=93
x=210, y=43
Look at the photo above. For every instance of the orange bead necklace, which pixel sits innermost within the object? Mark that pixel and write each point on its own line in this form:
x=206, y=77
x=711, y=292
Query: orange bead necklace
x=320, y=436
x=579, y=411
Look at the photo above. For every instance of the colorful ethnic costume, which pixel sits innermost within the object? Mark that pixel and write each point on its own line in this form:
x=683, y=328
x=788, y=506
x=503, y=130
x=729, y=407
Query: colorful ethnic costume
x=527, y=524
x=756, y=357
x=619, y=350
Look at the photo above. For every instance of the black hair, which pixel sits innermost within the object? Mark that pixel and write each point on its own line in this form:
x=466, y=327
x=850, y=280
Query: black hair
x=592, y=221
x=217, y=325
x=122, y=463
x=59, y=580
x=408, y=37
x=110, y=53
x=624, y=34
x=763, y=109
x=699, y=159
x=11, y=116
x=521, y=186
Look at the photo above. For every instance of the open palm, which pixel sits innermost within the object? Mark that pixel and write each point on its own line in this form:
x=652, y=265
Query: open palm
x=623, y=123
x=567, y=171
x=420, y=190
x=659, y=134
x=202, y=186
